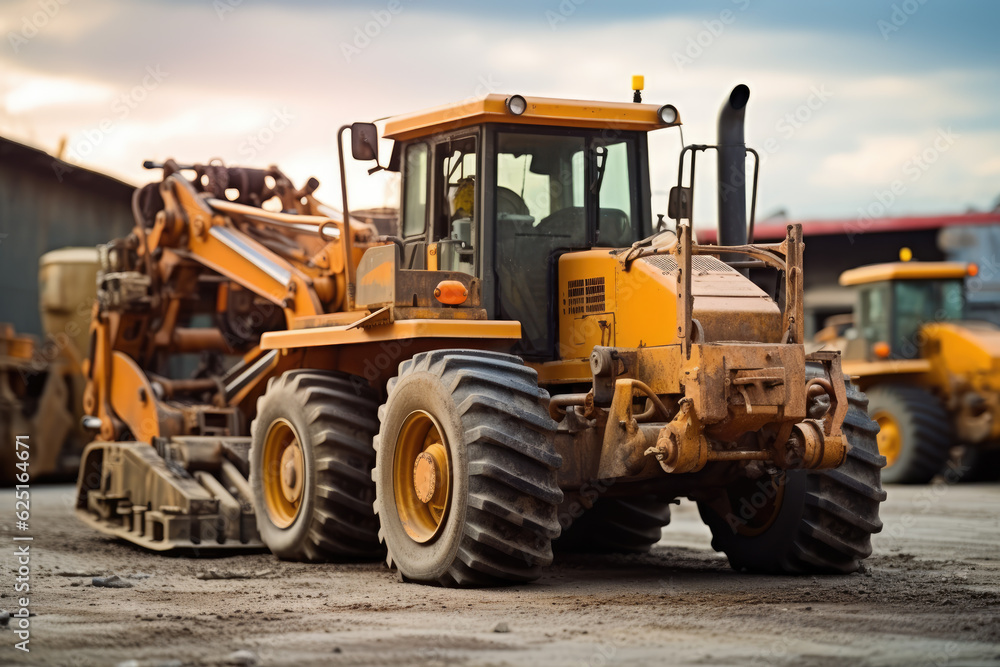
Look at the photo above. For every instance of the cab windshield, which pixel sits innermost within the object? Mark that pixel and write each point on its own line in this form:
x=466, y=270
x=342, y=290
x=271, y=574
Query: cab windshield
x=554, y=193
x=920, y=302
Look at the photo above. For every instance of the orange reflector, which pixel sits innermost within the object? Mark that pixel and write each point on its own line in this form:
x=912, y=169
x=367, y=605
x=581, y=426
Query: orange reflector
x=881, y=349
x=451, y=292
x=972, y=269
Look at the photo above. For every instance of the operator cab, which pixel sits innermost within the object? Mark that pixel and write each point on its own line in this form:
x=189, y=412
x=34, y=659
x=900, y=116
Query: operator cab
x=500, y=187
x=895, y=300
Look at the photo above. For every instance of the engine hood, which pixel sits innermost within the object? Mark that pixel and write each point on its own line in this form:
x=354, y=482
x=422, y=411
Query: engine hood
x=600, y=303
x=963, y=347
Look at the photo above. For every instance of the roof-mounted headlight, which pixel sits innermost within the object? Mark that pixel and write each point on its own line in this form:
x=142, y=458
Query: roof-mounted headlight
x=516, y=105
x=667, y=114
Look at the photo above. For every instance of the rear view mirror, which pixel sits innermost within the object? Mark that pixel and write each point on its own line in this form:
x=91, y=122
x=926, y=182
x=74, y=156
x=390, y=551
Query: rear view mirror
x=364, y=141
x=679, y=204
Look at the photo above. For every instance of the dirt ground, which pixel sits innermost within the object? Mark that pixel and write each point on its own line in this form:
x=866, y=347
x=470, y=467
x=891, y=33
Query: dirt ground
x=930, y=596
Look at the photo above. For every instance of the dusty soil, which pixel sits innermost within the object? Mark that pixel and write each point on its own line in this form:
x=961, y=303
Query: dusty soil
x=930, y=596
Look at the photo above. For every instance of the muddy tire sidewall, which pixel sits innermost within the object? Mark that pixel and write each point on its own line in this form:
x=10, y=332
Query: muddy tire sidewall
x=284, y=542
x=429, y=560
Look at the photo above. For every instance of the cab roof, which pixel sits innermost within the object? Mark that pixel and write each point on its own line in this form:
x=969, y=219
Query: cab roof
x=904, y=271
x=540, y=111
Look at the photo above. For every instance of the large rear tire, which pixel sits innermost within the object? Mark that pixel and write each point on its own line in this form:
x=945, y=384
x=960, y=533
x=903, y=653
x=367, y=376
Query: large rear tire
x=617, y=525
x=915, y=435
x=310, y=467
x=807, y=522
x=465, y=470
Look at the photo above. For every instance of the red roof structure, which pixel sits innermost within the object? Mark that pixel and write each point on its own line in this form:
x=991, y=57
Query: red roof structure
x=770, y=230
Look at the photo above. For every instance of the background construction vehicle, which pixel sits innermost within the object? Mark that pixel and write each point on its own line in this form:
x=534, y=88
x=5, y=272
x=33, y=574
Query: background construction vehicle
x=529, y=354
x=932, y=378
x=41, y=382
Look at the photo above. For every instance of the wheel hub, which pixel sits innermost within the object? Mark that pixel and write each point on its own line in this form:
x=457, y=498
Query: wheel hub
x=291, y=474
x=427, y=472
x=421, y=477
x=889, y=438
x=282, y=474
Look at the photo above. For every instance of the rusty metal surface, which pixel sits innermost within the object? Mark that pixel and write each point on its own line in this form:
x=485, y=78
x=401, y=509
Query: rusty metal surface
x=131, y=491
x=201, y=249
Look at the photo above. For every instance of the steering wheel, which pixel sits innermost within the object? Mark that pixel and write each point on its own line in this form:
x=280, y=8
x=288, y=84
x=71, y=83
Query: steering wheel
x=510, y=202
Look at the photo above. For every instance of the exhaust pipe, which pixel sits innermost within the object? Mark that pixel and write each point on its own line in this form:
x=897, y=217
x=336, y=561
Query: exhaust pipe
x=732, y=169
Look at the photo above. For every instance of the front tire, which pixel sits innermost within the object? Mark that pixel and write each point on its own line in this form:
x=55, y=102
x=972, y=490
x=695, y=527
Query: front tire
x=803, y=522
x=310, y=467
x=915, y=433
x=465, y=470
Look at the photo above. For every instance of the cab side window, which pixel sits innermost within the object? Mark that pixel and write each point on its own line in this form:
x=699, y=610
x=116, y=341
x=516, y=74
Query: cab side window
x=415, y=196
x=455, y=227
x=875, y=314
x=614, y=190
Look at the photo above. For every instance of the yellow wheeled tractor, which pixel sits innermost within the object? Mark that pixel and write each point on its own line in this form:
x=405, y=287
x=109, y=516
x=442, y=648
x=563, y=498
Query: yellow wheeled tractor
x=530, y=361
x=932, y=378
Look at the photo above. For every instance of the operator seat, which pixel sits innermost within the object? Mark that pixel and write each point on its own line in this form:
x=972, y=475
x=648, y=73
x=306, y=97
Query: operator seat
x=522, y=267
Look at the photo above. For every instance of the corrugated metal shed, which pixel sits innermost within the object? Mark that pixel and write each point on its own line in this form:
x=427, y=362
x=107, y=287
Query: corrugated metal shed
x=45, y=204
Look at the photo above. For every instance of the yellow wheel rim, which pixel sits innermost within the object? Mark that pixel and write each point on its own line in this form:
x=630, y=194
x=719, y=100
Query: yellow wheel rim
x=890, y=440
x=283, y=473
x=421, y=477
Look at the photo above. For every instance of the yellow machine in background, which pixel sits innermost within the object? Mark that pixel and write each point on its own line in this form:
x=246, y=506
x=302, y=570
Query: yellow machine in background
x=932, y=378
x=41, y=382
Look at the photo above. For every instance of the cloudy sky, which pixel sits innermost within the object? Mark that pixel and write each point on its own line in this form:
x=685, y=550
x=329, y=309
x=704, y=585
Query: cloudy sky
x=848, y=98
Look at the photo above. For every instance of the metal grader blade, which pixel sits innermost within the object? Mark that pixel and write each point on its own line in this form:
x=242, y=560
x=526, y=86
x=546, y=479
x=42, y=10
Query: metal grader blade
x=185, y=492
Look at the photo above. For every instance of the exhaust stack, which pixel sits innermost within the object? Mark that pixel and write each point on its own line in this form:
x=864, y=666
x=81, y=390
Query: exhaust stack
x=732, y=169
